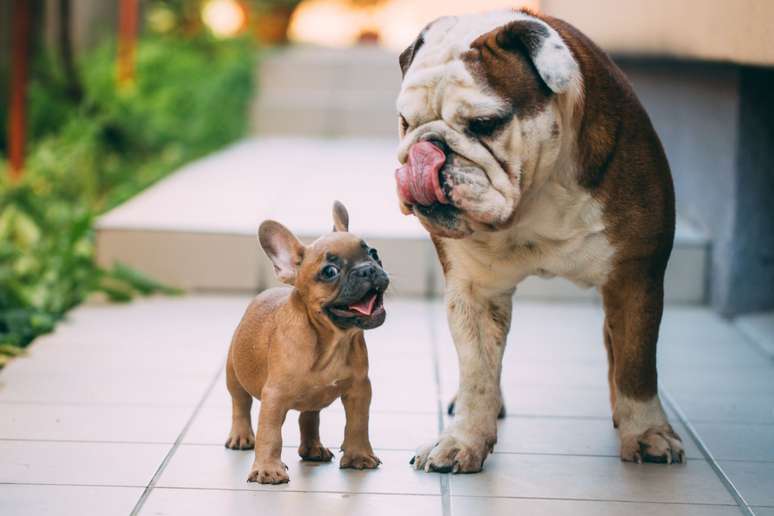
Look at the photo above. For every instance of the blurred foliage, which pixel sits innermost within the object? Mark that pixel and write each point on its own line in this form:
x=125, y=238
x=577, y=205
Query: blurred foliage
x=189, y=98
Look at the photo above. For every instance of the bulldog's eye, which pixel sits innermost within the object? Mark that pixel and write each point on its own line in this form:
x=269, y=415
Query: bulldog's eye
x=329, y=273
x=486, y=126
x=404, y=125
x=374, y=255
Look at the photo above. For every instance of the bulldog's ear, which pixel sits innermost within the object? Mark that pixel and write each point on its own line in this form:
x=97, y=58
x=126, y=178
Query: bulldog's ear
x=340, y=217
x=283, y=249
x=407, y=56
x=552, y=57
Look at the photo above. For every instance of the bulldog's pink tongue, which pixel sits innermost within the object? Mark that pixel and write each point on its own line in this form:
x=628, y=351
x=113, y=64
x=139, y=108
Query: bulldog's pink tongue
x=365, y=306
x=419, y=179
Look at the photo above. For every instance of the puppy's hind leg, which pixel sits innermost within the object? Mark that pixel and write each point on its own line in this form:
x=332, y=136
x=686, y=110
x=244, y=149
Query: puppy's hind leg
x=241, y=436
x=311, y=448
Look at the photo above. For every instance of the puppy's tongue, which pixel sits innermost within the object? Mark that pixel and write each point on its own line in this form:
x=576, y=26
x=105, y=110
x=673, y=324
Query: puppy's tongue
x=419, y=179
x=364, y=306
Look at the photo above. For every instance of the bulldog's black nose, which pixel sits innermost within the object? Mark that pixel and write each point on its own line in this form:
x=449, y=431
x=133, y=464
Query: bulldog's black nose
x=437, y=141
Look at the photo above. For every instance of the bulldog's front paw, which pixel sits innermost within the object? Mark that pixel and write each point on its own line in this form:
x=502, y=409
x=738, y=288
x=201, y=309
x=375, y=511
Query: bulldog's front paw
x=359, y=460
x=315, y=453
x=455, y=454
x=657, y=444
x=274, y=472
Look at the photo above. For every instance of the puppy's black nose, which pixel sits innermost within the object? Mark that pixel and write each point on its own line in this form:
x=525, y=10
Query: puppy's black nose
x=367, y=271
x=373, y=274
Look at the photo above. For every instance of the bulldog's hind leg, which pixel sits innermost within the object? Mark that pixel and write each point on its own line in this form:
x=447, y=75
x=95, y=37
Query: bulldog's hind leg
x=241, y=436
x=633, y=301
x=610, y=367
x=479, y=324
x=311, y=448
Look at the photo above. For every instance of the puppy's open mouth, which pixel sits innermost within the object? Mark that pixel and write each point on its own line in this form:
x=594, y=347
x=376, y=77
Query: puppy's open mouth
x=369, y=306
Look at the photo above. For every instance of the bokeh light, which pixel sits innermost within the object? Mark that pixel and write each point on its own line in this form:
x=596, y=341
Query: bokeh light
x=341, y=23
x=225, y=18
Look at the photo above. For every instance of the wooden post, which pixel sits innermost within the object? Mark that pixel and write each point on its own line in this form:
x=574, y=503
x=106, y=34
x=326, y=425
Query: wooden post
x=17, y=119
x=127, y=39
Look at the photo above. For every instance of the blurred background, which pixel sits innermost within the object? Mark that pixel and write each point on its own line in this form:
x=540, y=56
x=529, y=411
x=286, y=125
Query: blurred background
x=104, y=98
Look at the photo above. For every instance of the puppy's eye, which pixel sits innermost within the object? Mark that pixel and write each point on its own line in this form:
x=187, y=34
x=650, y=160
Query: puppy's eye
x=329, y=273
x=486, y=126
x=374, y=255
x=404, y=125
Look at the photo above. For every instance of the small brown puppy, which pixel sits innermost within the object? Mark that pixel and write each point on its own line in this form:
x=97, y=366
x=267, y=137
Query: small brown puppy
x=301, y=347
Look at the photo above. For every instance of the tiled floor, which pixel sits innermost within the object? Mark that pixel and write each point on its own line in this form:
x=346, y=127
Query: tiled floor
x=124, y=409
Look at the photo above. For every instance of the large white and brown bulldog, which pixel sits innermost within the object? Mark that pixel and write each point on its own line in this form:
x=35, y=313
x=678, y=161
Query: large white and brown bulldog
x=524, y=151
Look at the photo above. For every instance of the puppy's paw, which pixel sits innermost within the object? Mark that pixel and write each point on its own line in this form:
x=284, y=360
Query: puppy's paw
x=452, y=454
x=658, y=444
x=315, y=453
x=240, y=439
x=359, y=460
x=274, y=472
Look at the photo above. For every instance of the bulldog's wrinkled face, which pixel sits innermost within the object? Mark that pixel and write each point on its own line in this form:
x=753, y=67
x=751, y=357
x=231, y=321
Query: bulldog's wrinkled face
x=482, y=109
x=339, y=277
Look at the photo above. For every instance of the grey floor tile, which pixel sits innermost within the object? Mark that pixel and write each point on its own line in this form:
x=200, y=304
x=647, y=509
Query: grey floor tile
x=219, y=468
x=562, y=436
x=88, y=388
x=596, y=478
x=128, y=423
x=162, y=502
x=726, y=407
x=387, y=430
x=728, y=441
x=472, y=506
x=754, y=480
x=171, y=323
x=48, y=500
x=114, y=464
x=763, y=511
x=697, y=337
x=558, y=401
x=699, y=381
x=61, y=358
x=759, y=327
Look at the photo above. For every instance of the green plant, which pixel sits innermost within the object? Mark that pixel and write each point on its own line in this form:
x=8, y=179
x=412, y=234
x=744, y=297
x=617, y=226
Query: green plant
x=189, y=98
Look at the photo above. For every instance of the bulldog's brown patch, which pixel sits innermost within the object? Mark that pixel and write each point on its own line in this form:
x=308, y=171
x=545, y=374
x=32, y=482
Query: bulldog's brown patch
x=499, y=60
x=622, y=164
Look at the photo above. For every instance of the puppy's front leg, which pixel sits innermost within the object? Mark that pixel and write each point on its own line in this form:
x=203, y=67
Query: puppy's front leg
x=268, y=467
x=358, y=453
x=479, y=322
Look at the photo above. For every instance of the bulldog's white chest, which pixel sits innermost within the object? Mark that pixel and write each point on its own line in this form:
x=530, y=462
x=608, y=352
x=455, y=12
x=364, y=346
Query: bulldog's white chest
x=560, y=233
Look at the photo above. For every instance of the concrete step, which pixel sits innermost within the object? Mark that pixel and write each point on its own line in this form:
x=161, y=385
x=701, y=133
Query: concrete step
x=311, y=91
x=196, y=229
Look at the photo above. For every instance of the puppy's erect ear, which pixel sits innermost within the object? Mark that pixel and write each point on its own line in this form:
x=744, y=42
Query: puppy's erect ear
x=340, y=217
x=283, y=249
x=552, y=57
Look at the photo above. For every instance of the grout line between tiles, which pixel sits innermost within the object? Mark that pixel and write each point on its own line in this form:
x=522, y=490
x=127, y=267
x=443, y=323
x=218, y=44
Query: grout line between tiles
x=744, y=507
x=371, y=493
x=602, y=500
x=146, y=492
x=753, y=342
x=443, y=479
